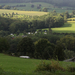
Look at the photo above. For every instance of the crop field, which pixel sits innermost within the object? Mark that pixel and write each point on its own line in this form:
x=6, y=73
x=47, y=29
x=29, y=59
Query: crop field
x=33, y=13
x=66, y=28
x=19, y=66
x=47, y=5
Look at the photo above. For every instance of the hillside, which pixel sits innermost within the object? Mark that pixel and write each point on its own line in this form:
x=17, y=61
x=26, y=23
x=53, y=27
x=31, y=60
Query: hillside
x=55, y=2
x=37, y=6
x=19, y=66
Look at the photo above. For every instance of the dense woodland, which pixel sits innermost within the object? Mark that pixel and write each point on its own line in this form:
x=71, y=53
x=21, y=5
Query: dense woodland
x=55, y=2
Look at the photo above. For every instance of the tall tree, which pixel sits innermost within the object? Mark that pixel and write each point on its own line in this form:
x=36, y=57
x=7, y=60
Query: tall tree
x=49, y=20
x=43, y=49
x=26, y=47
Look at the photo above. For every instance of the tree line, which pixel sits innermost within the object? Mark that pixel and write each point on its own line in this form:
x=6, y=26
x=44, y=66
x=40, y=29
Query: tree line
x=30, y=23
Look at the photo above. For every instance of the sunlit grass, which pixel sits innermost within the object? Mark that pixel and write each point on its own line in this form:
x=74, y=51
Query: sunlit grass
x=32, y=13
x=66, y=28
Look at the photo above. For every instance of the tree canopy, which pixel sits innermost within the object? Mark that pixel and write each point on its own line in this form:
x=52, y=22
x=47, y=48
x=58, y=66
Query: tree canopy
x=43, y=49
x=26, y=47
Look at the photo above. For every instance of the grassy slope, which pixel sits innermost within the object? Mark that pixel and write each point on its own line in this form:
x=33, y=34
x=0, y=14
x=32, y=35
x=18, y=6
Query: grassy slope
x=18, y=65
x=23, y=66
x=23, y=12
x=66, y=28
x=15, y=64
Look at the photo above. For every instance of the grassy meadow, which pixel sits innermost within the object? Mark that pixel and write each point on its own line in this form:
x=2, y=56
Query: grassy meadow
x=19, y=66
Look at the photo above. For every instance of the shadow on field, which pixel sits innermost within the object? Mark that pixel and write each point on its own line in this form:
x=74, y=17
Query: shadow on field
x=67, y=25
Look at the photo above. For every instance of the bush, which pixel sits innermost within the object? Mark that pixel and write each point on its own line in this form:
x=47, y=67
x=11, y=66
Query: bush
x=52, y=67
x=71, y=69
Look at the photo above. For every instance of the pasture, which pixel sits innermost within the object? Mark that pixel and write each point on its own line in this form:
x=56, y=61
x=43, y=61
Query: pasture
x=66, y=28
x=19, y=66
x=32, y=13
x=47, y=5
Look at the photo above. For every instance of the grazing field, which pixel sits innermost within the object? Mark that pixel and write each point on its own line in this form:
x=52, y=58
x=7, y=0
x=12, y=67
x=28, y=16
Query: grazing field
x=47, y=5
x=66, y=28
x=19, y=66
x=33, y=13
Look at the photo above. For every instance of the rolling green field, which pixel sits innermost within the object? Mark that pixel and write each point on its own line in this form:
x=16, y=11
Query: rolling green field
x=33, y=13
x=66, y=28
x=47, y=5
x=19, y=66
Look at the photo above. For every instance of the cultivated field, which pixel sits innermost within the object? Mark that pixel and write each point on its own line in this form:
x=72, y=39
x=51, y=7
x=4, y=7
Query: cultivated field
x=19, y=66
x=33, y=13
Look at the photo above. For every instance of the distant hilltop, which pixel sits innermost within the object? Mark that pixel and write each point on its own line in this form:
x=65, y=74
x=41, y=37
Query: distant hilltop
x=55, y=2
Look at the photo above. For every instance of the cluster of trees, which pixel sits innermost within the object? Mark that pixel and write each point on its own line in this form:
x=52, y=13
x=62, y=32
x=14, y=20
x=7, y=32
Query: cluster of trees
x=15, y=7
x=30, y=23
x=38, y=6
x=5, y=7
x=40, y=49
x=55, y=2
x=9, y=7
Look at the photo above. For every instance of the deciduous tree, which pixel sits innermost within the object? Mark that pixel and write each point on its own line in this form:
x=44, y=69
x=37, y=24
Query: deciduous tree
x=26, y=47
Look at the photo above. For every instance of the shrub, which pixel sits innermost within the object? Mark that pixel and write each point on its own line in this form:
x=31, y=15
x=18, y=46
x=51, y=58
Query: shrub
x=71, y=69
x=52, y=67
x=44, y=67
